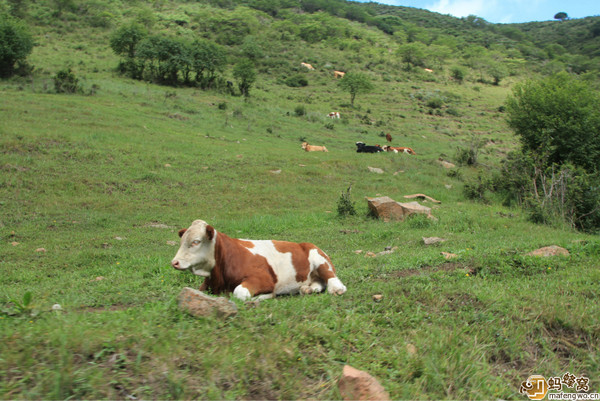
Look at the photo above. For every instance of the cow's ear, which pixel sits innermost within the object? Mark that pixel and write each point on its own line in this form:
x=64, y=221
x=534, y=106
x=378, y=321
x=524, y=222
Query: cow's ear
x=182, y=231
x=210, y=232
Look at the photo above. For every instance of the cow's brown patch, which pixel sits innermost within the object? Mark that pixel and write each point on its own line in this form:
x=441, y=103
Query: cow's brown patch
x=299, y=257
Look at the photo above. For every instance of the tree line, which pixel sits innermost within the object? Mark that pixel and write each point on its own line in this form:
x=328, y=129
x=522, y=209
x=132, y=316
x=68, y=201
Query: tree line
x=177, y=61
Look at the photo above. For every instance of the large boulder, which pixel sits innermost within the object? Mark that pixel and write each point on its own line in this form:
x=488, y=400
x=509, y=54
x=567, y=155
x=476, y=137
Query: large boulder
x=197, y=303
x=388, y=209
x=358, y=385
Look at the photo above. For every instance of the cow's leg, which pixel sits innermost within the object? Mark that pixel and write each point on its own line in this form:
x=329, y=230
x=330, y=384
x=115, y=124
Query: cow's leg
x=254, y=286
x=204, y=285
x=334, y=284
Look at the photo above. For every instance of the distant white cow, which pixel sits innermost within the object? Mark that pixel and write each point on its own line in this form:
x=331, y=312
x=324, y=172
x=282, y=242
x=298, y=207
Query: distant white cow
x=310, y=67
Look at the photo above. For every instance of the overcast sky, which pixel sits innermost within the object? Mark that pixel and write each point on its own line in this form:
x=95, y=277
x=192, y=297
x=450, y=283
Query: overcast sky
x=505, y=11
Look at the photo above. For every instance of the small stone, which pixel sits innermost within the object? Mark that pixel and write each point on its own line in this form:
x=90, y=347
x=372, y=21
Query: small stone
x=99, y=278
x=411, y=349
x=377, y=297
x=358, y=251
x=448, y=255
x=119, y=238
x=56, y=307
x=370, y=254
x=43, y=250
x=172, y=243
x=14, y=243
x=275, y=171
x=358, y=385
x=433, y=240
x=167, y=165
x=375, y=170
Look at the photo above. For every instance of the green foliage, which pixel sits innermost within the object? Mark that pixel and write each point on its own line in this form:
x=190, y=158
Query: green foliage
x=413, y=54
x=561, y=16
x=124, y=40
x=296, y=81
x=16, y=43
x=355, y=83
x=557, y=118
x=300, y=110
x=17, y=308
x=65, y=81
x=245, y=74
x=345, y=206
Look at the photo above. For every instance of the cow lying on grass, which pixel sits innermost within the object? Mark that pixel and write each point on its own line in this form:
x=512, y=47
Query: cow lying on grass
x=399, y=149
x=362, y=148
x=249, y=268
x=313, y=148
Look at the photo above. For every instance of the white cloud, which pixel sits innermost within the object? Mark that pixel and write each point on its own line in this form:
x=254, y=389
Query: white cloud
x=462, y=8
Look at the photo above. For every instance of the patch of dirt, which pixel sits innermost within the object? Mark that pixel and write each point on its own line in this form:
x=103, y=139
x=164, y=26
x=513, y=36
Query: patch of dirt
x=444, y=267
x=100, y=309
x=566, y=342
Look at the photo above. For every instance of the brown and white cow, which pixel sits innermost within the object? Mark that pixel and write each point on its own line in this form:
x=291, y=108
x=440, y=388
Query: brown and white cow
x=338, y=74
x=251, y=268
x=399, y=149
x=388, y=137
x=313, y=148
x=334, y=114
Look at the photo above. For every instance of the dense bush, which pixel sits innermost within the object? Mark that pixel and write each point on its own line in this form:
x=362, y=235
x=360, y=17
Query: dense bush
x=65, y=81
x=16, y=43
x=559, y=118
x=296, y=81
x=557, y=174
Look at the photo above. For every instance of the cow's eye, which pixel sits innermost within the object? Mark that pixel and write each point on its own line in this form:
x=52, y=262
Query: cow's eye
x=196, y=242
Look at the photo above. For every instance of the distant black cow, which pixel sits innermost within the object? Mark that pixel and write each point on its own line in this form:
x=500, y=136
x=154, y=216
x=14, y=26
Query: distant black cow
x=362, y=148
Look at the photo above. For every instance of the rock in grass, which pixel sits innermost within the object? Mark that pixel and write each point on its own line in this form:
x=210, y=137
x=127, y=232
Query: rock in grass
x=552, y=250
x=198, y=304
x=433, y=240
x=388, y=209
x=358, y=385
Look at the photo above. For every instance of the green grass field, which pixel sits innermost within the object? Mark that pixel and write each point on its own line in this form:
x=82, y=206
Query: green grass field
x=102, y=183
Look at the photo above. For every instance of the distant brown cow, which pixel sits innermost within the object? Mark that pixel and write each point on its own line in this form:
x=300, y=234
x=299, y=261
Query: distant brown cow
x=339, y=74
x=394, y=149
x=310, y=67
x=313, y=148
x=388, y=137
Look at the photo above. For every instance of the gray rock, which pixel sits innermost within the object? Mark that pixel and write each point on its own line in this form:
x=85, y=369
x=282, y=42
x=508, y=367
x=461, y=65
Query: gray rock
x=198, y=304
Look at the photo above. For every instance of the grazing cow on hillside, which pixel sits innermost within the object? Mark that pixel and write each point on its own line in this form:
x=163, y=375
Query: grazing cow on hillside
x=400, y=149
x=428, y=69
x=313, y=148
x=310, y=67
x=338, y=74
x=251, y=268
x=388, y=137
x=362, y=148
x=334, y=114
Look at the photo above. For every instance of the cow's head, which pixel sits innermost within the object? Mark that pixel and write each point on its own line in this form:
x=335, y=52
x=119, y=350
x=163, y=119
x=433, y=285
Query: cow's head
x=197, y=249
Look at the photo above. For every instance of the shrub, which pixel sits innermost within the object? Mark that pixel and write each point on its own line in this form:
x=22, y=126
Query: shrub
x=16, y=43
x=296, y=81
x=65, y=81
x=300, y=110
x=458, y=74
x=558, y=117
x=345, y=206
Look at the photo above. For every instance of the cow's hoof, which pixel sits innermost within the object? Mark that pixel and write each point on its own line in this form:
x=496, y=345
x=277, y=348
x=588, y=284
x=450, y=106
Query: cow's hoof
x=306, y=290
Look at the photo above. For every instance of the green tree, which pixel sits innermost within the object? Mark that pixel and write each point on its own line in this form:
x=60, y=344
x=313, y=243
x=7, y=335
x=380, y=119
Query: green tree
x=245, y=75
x=413, y=54
x=124, y=40
x=16, y=43
x=558, y=118
x=207, y=59
x=355, y=83
x=561, y=16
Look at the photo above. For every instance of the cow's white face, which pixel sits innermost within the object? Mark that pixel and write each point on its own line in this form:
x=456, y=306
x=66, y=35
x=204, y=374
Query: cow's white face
x=197, y=249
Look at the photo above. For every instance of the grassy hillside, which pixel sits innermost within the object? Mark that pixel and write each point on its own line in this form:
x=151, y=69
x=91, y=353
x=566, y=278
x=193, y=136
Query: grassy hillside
x=95, y=185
